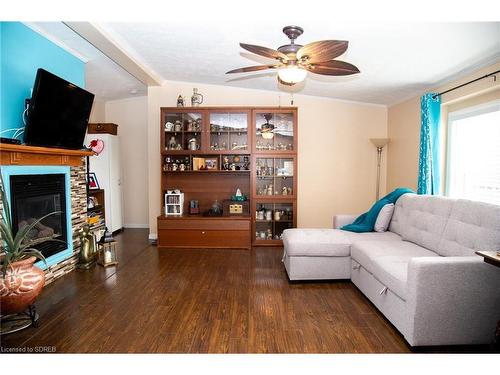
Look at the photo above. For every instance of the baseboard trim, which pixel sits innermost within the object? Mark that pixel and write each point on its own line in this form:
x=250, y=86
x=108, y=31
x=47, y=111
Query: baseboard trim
x=133, y=226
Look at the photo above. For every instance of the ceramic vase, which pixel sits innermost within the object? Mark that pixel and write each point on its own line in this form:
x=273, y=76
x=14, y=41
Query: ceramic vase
x=21, y=286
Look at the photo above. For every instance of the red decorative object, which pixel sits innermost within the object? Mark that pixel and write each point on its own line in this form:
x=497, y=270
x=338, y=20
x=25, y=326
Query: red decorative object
x=21, y=286
x=97, y=145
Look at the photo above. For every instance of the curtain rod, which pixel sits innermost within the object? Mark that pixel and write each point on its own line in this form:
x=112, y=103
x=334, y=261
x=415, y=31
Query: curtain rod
x=466, y=83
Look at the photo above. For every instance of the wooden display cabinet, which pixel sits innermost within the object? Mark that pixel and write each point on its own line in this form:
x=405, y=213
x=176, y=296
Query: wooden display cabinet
x=98, y=209
x=274, y=175
x=208, y=153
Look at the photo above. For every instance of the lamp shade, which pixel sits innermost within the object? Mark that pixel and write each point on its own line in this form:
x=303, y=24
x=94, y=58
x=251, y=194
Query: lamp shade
x=292, y=74
x=380, y=142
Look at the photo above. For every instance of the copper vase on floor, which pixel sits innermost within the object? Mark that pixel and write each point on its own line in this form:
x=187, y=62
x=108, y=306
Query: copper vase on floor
x=21, y=286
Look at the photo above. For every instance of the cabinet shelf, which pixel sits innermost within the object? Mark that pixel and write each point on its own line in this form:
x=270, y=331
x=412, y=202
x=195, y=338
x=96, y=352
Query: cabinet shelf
x=261, y=242
x=207, y=171
x=201, y=217
x=228, y=131
x=274, y=221
x=95, y=209
x=271, y=198
x=182, y=131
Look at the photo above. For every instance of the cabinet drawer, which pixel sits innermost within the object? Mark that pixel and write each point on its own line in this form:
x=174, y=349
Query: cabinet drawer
x=204, y=238
x=208, y=224
x=102, y=128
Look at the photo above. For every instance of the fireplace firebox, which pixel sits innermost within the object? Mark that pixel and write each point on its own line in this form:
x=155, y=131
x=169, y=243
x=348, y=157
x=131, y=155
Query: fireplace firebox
x=34, y=196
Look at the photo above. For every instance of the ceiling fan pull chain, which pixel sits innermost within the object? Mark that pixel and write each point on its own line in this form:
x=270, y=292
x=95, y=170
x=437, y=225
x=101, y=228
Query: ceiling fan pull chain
x=291, y=99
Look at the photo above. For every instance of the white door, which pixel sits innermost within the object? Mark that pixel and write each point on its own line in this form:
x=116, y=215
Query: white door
x=116, y=185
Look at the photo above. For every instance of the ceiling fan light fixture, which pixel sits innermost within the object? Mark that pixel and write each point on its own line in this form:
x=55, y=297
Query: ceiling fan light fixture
x=292, y=74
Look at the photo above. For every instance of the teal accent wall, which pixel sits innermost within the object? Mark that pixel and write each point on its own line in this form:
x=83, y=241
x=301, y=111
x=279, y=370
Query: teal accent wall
x=22, y=52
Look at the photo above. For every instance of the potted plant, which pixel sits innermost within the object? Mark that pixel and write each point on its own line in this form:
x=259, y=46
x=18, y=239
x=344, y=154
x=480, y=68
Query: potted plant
x=21, y=281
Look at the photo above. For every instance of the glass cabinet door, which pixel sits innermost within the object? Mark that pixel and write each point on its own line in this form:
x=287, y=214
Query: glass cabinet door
x=183, y=131
x=274, y=177
x=271, y=219
x=229, y=131
x=274, y=131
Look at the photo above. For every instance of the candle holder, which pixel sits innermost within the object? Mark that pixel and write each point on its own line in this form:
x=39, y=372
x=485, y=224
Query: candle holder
x=106, y=255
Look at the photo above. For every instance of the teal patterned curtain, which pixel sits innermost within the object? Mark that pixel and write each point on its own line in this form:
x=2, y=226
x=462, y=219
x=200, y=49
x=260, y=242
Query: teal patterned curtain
x=429, y=180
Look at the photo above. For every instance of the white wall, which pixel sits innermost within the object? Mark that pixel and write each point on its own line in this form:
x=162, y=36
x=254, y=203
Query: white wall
x=131, y=117
x=337, y=162
x=98, y=113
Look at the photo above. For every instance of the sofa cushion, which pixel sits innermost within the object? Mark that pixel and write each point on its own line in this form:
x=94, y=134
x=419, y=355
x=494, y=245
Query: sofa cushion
x=372, y=236
x=365, y=252
x=388, y=261
x=425, y=219
x=472, y=226
x=400, y=212
x=316, y=242
x=384, y=218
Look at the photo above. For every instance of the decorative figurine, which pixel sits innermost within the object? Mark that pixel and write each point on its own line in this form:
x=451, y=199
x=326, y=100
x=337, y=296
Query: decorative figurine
x=193, y=144
x=180, y=101
x=284, y=191
x=178, y=126
x=196, y=98
x=270, y=189
x=269, y=215
x=172, y=143
x=246, y=163
x=169, y=126
x=225, y=164
x=87, y=254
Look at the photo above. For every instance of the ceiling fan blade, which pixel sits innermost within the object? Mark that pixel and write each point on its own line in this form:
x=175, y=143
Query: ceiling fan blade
x=323, y=50
x=264, y=51
x=333, y=68
x=252, y=68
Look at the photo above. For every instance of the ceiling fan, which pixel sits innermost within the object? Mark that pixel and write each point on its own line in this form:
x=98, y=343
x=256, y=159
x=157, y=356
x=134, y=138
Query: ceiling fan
x=295, y=60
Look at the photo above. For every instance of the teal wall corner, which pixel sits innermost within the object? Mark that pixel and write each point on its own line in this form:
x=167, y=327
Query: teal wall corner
x=22, y=52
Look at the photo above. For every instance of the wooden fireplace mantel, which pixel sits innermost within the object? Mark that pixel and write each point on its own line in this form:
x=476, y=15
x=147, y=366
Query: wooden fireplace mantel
x=34, y=155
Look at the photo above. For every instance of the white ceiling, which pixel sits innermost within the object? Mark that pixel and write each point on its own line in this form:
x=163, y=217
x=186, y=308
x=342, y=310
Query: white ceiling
x=397, y=60
x=103, y=77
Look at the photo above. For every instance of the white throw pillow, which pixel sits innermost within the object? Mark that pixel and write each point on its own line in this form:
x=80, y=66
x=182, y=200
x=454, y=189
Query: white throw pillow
x=384, y=218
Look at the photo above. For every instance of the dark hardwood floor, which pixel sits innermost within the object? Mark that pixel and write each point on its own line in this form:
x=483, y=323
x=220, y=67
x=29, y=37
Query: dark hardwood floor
x=203, y=301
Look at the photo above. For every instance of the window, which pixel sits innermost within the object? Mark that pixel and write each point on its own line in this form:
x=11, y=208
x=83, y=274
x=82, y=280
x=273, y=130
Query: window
x=473, y=168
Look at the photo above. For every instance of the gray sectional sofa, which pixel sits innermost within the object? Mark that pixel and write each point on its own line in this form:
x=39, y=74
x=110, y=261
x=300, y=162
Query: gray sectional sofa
x=422, y=274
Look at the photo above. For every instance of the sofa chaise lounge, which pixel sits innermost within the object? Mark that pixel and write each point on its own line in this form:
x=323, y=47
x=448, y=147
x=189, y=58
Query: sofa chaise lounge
x=422, y=274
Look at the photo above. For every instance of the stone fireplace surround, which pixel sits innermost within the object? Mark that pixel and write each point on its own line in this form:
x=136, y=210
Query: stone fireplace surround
x=27, y=155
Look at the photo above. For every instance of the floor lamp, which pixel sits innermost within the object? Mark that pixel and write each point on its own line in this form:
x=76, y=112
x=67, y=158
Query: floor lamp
x=379, y=144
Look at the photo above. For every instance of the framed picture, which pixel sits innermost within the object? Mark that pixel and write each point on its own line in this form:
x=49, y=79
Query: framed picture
x=211, y=163
x=198, y=164
x=92, y=181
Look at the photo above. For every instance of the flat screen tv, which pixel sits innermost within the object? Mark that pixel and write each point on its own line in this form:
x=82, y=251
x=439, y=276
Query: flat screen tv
x=58, y=113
